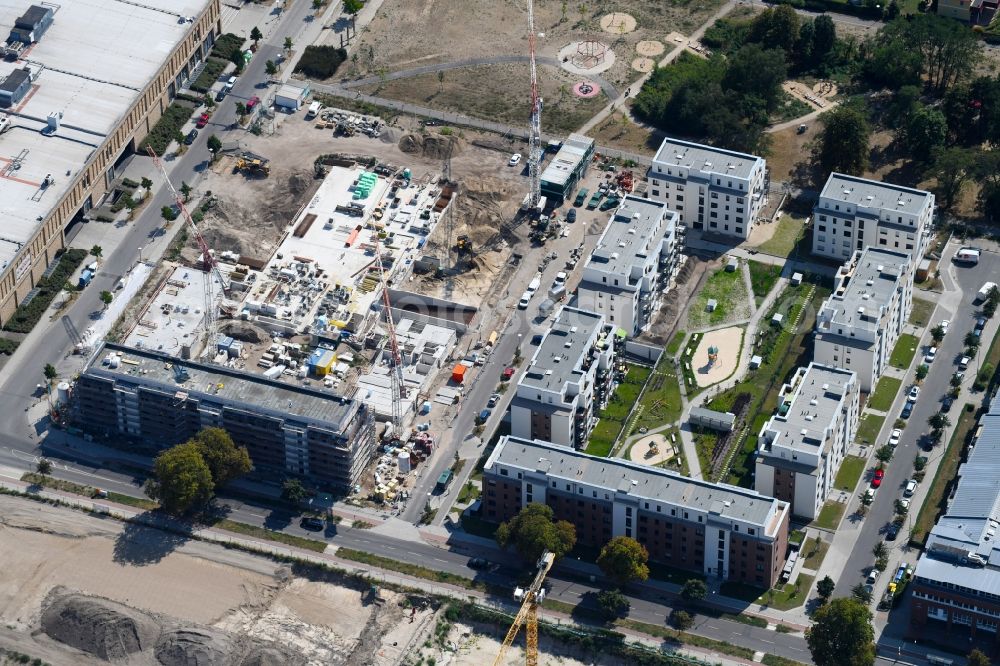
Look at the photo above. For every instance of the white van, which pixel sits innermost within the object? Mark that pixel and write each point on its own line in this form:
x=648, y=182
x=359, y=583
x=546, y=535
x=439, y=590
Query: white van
x=314, y=110
x=967, y=255
x=525, y=299
x=230, y=82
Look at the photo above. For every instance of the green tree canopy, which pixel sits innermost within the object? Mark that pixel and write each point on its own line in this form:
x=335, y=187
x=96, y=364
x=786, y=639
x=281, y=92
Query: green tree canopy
x=50, y=371
x=776, y=28
x=214, y=144
x=256, y=35
x=613, y=603
x=924, y=132
x=825, y=587
x=623, y=560
x=694, y=590
x=843, y=144
x=182, y=479
x=534, y=531
x=293, y=491
x=977, y=658
x=842, y=634
x=353, y=6
x=225, y=460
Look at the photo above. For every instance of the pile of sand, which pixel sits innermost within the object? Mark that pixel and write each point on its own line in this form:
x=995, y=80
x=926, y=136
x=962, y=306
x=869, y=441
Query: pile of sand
x=433, y=147
x=194, y=647
x=103, y=628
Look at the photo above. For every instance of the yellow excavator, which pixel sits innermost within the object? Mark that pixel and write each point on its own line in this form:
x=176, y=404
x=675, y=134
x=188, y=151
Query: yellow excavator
x=528, y=614
x=253, y=166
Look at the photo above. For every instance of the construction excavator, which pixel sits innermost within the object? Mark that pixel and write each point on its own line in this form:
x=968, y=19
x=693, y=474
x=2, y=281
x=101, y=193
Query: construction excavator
x=253, y=165
x=464, y=245
x=528, y=614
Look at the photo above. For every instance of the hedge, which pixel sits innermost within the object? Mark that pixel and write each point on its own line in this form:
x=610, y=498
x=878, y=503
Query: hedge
x=167, y=127
x=26, y=316
x=213, y=70
x=320, y=62
x=226, y=45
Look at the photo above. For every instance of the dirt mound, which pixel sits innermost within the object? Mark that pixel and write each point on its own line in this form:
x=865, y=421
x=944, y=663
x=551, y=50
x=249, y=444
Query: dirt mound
x=194, y=647
x=244, y=332
x=432, y=147
x=103, y=628
x=272, y=655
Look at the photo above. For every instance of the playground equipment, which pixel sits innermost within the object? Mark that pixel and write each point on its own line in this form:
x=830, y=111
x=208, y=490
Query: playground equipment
x=713, y=355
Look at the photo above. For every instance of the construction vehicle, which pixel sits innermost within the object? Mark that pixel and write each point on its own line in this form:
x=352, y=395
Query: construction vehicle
x=463, y=244
x=528, y=614
x=254, y=166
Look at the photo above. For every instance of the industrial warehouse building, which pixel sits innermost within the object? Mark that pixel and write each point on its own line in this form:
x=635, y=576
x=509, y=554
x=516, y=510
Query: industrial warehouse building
x=719, y=530
x=286, y=428
x=97, y=76
x=561, y=177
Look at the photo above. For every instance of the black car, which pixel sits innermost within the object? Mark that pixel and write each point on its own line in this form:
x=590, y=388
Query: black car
x=311, y=524
x=536, y=339
x=892, y=532
x=947, y=403
x=221, y=95
x=907, y=410
x=478, y=563
x=571, y=215
x=191, y=136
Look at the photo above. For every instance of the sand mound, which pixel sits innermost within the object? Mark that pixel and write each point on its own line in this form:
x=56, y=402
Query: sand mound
x=106, y=629
x=194, y=647
x=432, y=147
x=272, y=656
x=244, y=332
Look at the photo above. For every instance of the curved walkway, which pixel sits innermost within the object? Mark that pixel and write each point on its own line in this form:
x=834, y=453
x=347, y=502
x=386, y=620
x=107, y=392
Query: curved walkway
x=606, y=87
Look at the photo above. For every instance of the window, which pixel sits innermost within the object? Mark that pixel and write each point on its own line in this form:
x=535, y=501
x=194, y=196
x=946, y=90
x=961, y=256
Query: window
x=822, y=227
x=680, y=197
x=656, y=193
x=503, y=472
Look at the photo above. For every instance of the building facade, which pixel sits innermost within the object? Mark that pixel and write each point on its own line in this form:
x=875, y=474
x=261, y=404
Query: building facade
x=859, y=324
x=719, y=530
x=956, y=586
x=718, y=191
x=801, y=447
x=632, y=265
x=286, y=428
x=40, y=236
x=566, y=169
x=570, y=376
x=854, y=213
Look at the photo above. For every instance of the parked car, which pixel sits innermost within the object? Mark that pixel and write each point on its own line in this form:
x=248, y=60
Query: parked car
x=877, y=478
x=311, y=524
x=479, y=563
x=872, y=576
x=191, y=136
x=905, y=504
x=514, y=160
x=909, y=488
x=914, y=392
x=202, y=120
x=907, y=410
x=944, y=325
x=963, y=363
x=507, y=374
x=571, y=215
x=484, y=415
x=892, y=532
x=947, y=403
x=894, y=437
x=221, y=95
x=494, y=399
x=931, y=355
x=252, y=103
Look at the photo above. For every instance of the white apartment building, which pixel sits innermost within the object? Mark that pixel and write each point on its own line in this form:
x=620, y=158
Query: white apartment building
x=715, y=190
x=854, y=213
x=569, y=377
x=859, y=323
x=801, y=447
x=631, y=266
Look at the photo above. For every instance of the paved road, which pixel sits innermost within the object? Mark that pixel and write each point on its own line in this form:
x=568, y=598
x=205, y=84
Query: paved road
x=934, y=387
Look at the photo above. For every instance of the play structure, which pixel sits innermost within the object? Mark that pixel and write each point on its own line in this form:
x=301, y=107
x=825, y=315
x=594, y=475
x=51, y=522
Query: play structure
x=713, y=356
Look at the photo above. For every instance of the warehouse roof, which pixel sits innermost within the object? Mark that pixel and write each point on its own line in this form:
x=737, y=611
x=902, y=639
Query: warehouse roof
x=873, y=194
x=91, y=65
x=572, y=152
x=706, y=159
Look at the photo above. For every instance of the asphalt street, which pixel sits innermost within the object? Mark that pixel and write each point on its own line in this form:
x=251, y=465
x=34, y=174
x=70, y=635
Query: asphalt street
x=933, y=389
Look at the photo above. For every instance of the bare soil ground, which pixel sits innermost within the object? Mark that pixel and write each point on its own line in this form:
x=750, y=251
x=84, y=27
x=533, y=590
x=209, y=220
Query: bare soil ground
x=620, y=131
x=82, y=590
x=789, y=148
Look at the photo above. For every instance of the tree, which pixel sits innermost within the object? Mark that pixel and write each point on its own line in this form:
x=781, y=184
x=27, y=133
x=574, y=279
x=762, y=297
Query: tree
x=168, y=213
x=900, y=508
x=951, y=168
x=922, y=371
x=181, y=479
x=755, y=74
x=106, y=298
x=861, y=594
x=236, y=57
x=44, y=466
x=318, y=4
x=214, y=144
x=623, y=560
x=937, y=334
x=225, y=460
x=289, y=43
x=924, y=132
x=293, y=491
x=843, y=144
x=440, y=79
x=866, y=499
x=824, y=38
x=146, y=183
x=694, y=590
x=241, y=110
x=879, y=550
x=884, y=453
x=352, y=7
x=208, y=101
x=271, y=68
x=882, y=563
x=825, y=587
x=256, y=35
x=97, y=251
x=939, y=421
x=533, y=531
x=776, y=28
x=977, y=658
x=186, y=191
x=50, y=372
x=971, y=339
x=613, y=603
x=681, y=620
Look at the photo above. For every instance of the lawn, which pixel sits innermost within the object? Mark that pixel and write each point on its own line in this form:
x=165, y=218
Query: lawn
x=675, y=343
x=904, y=351
x=785, y=237
x=850, y=471
x=830, y=515
x=729, y=291
x=661, y=403
x=614, y=416
x=814, y=551
x=870, y=427
x=762, y=279
x=921, y=313
x=885, y=391
x=784, y=597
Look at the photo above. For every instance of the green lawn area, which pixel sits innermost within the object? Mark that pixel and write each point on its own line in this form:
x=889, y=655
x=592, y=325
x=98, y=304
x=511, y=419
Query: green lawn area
x=661, y=403
x=785, y=237
x=904, y=351
x=921, y=313
x=784, y=597
x=814, y=551
x=613, y=417
x=675, y=343
x=830, y=515
x=729, y=290
x=762, y=279
x=869, y=427
x=850, y=471
x=885, y=391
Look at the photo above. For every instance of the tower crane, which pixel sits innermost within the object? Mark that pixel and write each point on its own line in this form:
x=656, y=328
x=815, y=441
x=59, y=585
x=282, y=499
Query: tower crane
x=211, y=266
x=528, y=613
x=396, y=372
x=535, y=132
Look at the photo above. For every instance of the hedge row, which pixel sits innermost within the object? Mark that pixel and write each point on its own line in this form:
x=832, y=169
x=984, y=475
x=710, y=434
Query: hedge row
x=167, y=127
x=320, y=62
x=213, y=70
x=26, y=316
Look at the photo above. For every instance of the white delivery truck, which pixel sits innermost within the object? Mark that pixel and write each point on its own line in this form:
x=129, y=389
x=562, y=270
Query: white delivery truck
x=984, y=291
x=535, y=283
x=967, y=255
x=314, y=110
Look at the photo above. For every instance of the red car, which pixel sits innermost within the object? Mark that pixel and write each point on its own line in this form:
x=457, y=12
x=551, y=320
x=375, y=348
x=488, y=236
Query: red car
x=202, y=120
x=254, y=101
x=507, y=374
x=877, y=479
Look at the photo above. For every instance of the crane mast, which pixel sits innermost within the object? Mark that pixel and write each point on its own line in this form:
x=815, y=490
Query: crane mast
x=396, y=372
x=527, y=615
x=535, y=133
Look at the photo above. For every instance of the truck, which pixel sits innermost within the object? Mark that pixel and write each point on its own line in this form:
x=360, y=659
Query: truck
x=85, y=277
x=535, y=283
x=443, y=481
x=314, y=110
x=967, y=255
x=984, y=292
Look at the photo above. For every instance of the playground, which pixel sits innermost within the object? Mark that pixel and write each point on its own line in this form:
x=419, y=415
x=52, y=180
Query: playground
x=717, y=355
x=652, y=450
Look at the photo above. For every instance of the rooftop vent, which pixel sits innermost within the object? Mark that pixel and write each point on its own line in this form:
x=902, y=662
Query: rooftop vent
x=870, y=283
x=826, y=387
x=861, y=309
x=881, y=268
x=708, y=165
x=548, y=372
x=869, y=197
x=813, y=402
x=809, y=417
x=846, y=191
x=804, y=432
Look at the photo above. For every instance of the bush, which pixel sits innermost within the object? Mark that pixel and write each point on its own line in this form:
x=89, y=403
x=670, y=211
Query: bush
x=320, y=62
x=213, y=70
x=26, y=316
x=226, y=45
x=167, y=127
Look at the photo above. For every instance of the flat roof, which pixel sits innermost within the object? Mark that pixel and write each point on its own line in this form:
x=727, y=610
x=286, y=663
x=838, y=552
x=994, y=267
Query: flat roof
x=174, y=317
x=91, y=64
x=567, y=159
x=804, y=417
x=706, y=159
x=559, y=357
x=866, y=193
x=873, y=277
x=631, y=236
x=654, y=483
x=212, y=382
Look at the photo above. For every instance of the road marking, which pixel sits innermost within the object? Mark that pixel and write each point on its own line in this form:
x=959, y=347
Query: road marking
x=708, y=626
x=438, y=559
x=766, y=641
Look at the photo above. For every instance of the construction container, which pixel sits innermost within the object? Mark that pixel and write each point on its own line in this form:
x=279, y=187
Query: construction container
x=62, y=393
x=321, y=361
x=404, y=462
x=235, y=349
x=224, y=343
x=458, y=374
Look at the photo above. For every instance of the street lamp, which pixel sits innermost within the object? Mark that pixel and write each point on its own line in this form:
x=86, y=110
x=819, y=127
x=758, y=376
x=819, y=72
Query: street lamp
x=140, y=254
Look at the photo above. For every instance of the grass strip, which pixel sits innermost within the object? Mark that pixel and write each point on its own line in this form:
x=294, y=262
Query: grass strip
x=686, y=638
x=850, y=471
x=270, y=535
x=777, y=660
x=675, y=343
x=414, y=570
x=885, y=392
x=830, y=515
x=904, y=351
x=87, y=491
